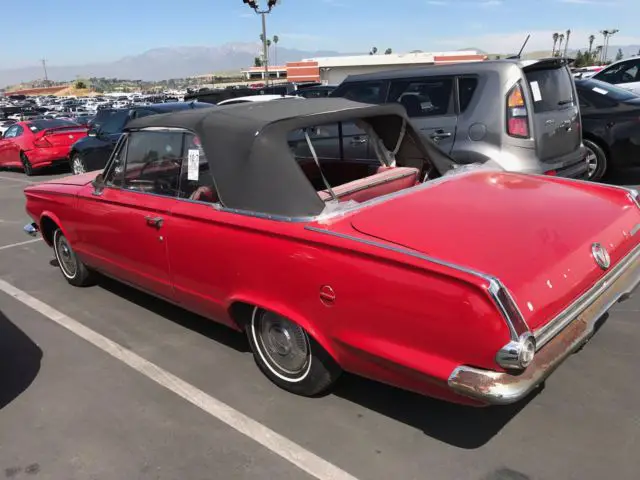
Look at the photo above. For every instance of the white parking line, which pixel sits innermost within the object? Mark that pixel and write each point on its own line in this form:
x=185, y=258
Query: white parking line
x=26, y=242
x=290, y=451
x=17, y=180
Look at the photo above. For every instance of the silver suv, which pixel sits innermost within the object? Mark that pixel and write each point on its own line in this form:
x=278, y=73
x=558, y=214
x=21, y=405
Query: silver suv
x=521, y=114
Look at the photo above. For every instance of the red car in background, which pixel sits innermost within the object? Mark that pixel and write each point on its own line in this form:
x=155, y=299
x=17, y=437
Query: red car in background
x=35, y=144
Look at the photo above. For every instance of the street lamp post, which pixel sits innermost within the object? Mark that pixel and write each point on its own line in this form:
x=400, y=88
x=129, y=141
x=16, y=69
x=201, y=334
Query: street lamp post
x=263, y=13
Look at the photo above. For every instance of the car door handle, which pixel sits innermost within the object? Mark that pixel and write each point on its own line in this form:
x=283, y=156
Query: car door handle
x=358, y=141
x=154, y=221
x=438, y=134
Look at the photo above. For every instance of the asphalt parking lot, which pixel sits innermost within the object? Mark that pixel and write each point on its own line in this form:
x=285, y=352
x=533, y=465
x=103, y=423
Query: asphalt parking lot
x=69, y=410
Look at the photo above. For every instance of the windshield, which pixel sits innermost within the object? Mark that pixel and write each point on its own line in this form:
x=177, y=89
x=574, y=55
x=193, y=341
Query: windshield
x=115, y=123
x=603, y=88
x=38, y=125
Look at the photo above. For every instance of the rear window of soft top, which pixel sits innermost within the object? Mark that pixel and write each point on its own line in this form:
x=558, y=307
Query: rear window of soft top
x=551, y=88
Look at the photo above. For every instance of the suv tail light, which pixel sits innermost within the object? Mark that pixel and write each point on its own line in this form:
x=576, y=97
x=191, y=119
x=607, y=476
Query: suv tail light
x=517, y=114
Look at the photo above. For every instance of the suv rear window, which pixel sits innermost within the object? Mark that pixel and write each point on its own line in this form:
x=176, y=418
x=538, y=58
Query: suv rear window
x=552, y=89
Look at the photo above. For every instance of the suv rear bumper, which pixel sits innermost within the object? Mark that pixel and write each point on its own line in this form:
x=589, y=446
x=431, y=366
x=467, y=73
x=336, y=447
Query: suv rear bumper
x=558, y=339
x=573, y=166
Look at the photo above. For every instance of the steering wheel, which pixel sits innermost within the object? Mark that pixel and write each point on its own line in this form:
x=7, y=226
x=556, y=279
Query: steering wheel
x=173, y=161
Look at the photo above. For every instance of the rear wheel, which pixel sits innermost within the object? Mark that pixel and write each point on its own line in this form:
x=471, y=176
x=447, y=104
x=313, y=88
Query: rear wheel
x=288, y=356
x=26, y=164
x=77, y=164
x=76, y=272
x=597, y=161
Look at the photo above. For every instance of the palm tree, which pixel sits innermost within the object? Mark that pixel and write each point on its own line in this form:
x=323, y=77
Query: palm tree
x=555, y=42
x=566, y=45
x=560, y=40
x=373, y=51
x=276, y=39
x=596, y=54
x=592, y=38
x=388, y=51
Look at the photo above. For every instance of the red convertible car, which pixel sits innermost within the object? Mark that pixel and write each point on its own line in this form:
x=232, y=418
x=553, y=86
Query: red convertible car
x=34, y=144
x=471, y=285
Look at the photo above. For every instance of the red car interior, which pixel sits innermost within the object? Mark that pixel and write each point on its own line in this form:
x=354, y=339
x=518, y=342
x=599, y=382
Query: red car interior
x=386, y=180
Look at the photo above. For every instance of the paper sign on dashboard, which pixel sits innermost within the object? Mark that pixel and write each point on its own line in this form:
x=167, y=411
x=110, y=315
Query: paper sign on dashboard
x=193, y=167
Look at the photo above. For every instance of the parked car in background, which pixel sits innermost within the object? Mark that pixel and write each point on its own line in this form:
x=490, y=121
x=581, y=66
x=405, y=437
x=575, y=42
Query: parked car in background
x=585, y=72
x=83, y=120
x=255, y=98
x=100, y=117
x=6, y=123
x=91, y=153
x=35, y=144
x=625, y=74
x=318, y=91
x=610, y=126
x=428, y=286
x=521, y=114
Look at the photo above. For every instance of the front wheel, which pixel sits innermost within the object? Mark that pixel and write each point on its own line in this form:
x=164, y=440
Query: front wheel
x=76, y=272
x=26, y=164
x=597, y=161
x=77, y=165
x=288, y=356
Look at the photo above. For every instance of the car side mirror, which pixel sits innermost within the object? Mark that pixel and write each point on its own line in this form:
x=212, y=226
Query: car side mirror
x=98, y=182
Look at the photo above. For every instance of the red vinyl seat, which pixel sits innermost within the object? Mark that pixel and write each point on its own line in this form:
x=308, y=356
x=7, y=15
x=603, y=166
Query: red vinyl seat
x=204, y=194
x=387, y=180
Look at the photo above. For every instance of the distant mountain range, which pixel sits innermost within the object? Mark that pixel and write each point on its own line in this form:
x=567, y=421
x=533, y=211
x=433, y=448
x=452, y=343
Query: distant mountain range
x=163, y=63
x=179, y=62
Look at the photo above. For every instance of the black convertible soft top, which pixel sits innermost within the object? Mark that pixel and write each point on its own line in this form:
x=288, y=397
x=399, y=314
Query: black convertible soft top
x=249, y=156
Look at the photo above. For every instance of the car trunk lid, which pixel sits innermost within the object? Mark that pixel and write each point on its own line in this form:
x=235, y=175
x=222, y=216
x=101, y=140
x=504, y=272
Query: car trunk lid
x=556, y=118
x=536, y=236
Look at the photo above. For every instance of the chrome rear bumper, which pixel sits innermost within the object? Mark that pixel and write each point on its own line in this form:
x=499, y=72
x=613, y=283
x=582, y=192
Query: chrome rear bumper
x=31, y=229
x=555, y=341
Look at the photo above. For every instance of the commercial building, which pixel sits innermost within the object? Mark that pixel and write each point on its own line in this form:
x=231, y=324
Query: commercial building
x=333, y=70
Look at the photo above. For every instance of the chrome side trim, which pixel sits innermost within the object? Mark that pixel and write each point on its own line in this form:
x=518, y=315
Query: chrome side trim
x=495, y=285
x=544, y=334
x=265, y=216
x=635, y=196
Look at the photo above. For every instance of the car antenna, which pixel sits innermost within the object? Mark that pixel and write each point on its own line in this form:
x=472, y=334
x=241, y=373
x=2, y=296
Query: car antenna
x=521, y=50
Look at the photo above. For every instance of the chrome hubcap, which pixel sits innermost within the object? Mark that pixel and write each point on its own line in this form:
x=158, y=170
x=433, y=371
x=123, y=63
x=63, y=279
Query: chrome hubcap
x=284, y=343
x=592, y=162
x=65, y=256
x=78, y=166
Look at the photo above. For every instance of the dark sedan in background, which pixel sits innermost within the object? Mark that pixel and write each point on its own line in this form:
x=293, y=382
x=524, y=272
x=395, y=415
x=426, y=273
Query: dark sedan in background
x=611, y=126
x=92, y=152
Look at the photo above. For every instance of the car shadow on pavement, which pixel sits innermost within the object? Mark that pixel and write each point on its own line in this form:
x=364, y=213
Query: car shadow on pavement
x=457, y=425
x=210, y=329
x=20, y=360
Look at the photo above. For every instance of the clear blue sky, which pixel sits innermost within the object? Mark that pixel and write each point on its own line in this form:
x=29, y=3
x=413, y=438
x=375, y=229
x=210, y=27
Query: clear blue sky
x=68, y=32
